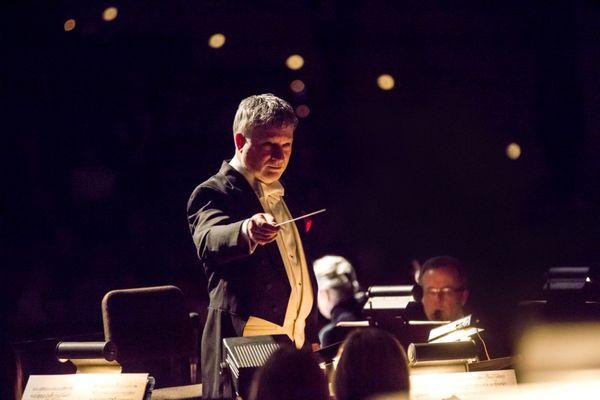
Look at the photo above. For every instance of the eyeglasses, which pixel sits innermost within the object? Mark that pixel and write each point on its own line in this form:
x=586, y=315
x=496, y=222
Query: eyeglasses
x=443, y=292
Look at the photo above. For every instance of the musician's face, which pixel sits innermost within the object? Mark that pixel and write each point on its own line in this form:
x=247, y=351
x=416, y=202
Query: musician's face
x=443, y=294
x=266, y=152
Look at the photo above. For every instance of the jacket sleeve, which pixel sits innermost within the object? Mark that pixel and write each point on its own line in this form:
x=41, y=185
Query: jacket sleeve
x=216, y=232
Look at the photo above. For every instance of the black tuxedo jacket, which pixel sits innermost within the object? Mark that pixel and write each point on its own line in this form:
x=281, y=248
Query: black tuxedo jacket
x=240, y=284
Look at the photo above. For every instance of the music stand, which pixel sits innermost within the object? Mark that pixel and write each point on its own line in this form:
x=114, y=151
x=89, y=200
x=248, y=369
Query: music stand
x=244, y=355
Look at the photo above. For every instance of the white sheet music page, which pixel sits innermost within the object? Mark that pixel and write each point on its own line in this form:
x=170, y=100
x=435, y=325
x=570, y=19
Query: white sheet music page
x=86, y=387
x=458, y=385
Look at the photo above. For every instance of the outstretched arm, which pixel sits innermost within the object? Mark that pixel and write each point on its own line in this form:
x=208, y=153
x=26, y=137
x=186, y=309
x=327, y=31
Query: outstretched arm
x=219, y=234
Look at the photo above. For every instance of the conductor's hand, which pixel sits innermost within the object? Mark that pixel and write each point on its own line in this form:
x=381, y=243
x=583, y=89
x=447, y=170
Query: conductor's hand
x=262, y=229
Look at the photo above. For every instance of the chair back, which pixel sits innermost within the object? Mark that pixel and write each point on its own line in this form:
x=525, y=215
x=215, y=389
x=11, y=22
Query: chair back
x=150, y=326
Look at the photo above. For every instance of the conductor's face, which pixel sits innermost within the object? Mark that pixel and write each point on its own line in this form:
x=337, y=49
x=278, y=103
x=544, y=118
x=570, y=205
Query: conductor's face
x=266, y=152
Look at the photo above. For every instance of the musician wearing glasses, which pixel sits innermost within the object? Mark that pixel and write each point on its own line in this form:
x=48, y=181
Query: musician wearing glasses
x=445, y=290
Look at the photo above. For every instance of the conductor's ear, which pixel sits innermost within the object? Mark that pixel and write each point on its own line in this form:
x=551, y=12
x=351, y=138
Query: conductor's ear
x=240, y=141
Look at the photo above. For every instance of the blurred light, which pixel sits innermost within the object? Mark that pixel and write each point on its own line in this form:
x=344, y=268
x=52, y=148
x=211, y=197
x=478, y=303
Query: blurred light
x=69, y=25
x=588, y=279
x=216, y=41
x=553, y=352
x=385, y=82
x=302, y=111
x=110, y=13
x=513, y=151
x=297, y=86
x=295, y=61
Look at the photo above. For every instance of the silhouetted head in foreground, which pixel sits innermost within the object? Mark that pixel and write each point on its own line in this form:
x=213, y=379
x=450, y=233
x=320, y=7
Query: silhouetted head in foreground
x=372, y=362
x=292, y=375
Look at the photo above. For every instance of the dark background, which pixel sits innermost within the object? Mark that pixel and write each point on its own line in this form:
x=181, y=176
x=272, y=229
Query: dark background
x=109, y=128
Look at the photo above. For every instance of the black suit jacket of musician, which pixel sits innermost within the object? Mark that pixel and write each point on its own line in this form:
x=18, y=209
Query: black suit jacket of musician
x=240, y=284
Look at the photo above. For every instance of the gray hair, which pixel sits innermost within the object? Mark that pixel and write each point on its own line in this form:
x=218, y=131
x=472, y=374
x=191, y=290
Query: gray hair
x=335, y=272
x=263, y=111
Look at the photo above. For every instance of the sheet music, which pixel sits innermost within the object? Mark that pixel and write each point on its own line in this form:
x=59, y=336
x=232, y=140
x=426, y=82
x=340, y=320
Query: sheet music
x=456, y=385
x=86, y=387
x=586, y=387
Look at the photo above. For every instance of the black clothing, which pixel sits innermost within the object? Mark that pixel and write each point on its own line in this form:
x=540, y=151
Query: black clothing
x=240, y=284
x=346, y=311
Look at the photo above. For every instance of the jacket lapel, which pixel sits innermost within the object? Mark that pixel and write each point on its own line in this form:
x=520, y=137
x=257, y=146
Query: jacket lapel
x=245, y=195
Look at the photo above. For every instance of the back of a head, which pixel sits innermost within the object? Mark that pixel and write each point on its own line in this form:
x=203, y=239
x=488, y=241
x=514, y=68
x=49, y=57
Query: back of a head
x=335, y=272
x=290, y=374
x=372, y=362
